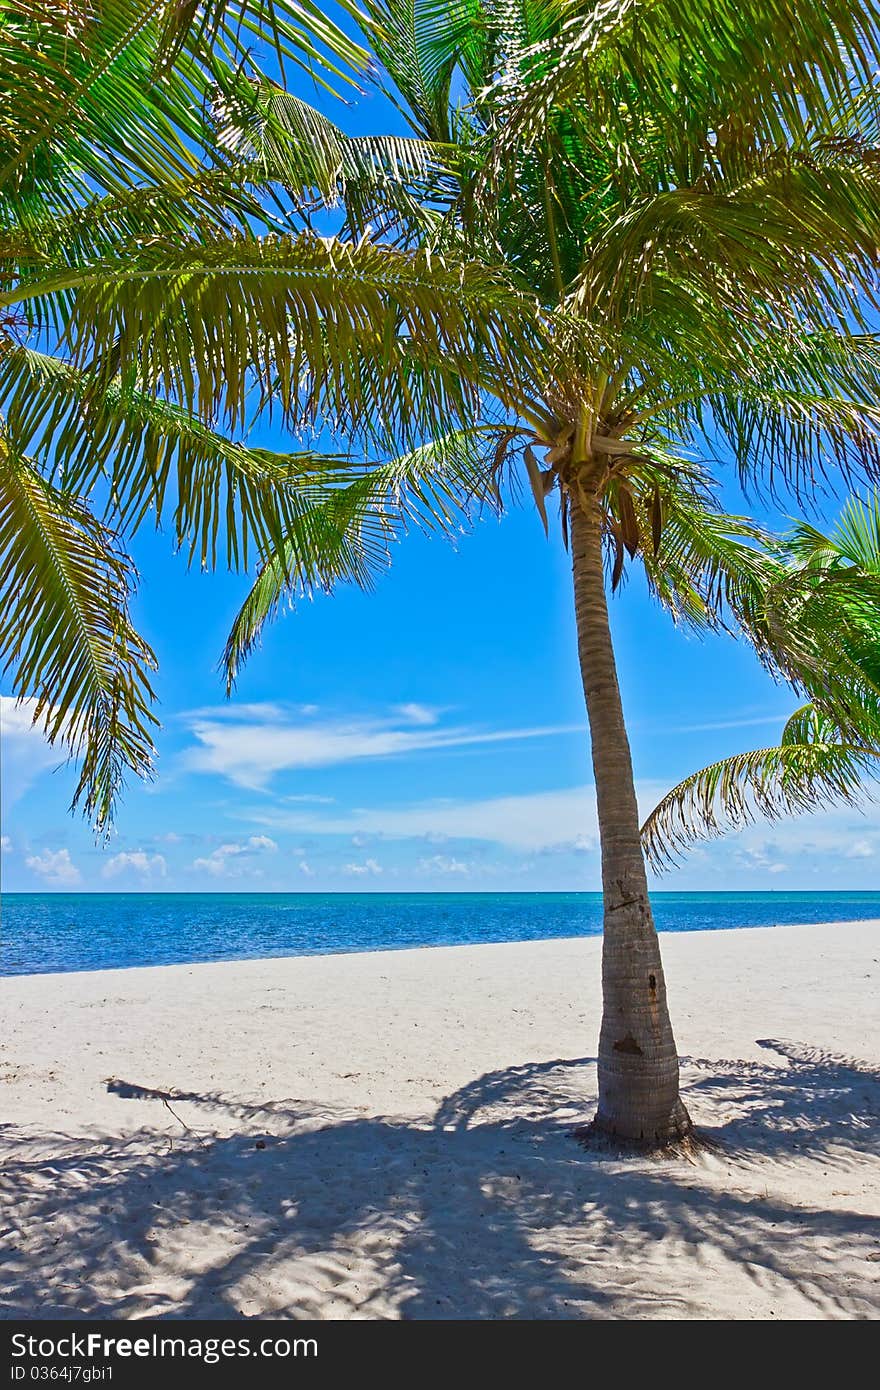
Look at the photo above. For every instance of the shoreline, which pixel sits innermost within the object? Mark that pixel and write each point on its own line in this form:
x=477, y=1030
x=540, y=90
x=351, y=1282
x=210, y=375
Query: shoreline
x=386, y=1134
x=663, y=932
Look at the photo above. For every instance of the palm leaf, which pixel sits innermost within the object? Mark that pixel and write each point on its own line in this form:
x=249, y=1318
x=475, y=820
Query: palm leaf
x=206, y=322
x=812, y=768
x=155, y=461
x=66, y=637
x=819, y=619
x=682, y=69
x=707, y=567
x=347, y=524
x=117, y=90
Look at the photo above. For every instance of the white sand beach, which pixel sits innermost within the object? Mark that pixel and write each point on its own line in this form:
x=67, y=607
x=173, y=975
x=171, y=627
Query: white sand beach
x=386, y=1135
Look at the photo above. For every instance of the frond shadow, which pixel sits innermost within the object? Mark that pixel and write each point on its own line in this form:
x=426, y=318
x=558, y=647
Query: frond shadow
x=486, y=1210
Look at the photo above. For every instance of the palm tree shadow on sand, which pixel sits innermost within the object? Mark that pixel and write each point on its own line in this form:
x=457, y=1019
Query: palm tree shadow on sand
x=489, y=1210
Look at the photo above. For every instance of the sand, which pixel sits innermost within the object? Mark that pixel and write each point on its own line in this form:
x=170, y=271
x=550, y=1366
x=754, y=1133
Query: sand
x=386, y=1136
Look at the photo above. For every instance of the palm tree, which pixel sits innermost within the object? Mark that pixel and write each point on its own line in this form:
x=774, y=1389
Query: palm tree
x=615, y=233
x=695, y=230
x=829, y=750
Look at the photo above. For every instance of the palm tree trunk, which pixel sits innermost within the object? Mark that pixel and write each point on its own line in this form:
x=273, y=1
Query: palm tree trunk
x=638, y=1064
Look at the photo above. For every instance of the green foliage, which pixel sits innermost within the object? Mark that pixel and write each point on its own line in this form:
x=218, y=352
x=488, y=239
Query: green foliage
x=806, y=773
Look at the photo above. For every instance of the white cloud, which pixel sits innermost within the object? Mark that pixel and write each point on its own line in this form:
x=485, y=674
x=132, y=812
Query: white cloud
x=533, y=821
x=265, y=711
x=306, y=869
x=261, y=842
x=137, y=862
x=418, y=714
x=224, y=861
x=310, y=797
x=55, y=866
x=240, y=749
x=443, y=864
x=565, y=821
x=584, y=844
x=25, y=751
x=717, y=725
x=831, y=833
x=5, y=844
x=761, y=856
x=369, y=868
x=17, y=718
x=862, y=849
x=216, y=865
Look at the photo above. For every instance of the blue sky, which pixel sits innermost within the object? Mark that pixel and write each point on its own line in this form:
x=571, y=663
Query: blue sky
x=430, y=735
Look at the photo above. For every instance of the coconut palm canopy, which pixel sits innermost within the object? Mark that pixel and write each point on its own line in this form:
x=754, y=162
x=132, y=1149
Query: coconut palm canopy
x=687, y=196
x=103, y=150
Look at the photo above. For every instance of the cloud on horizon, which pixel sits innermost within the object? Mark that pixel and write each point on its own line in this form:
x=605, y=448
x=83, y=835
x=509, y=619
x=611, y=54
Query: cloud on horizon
x=236, y=859
x=136, y=861
x=565, y=821
x=55, y=866
x=533, y=821
x=369, y=868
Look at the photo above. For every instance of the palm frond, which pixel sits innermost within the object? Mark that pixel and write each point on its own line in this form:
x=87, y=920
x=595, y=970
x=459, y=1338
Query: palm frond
x=418, y=43
x=823, y=611
x=206, y=322
x=394, y=188
x=115, y=92
x=707, y=567
x=856, y=538
x=154, y=461
x=801, y=408
x=798, y=240
x=682, y=70
x=810, y=769
x=65, y=635
x=347, y=525
x=43, y=237
x=819, y=621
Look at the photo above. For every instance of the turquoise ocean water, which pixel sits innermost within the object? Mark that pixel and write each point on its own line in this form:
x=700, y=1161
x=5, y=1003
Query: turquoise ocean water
x=95, y=931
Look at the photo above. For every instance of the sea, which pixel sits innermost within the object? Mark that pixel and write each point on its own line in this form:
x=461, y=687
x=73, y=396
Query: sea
x=47, y=932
